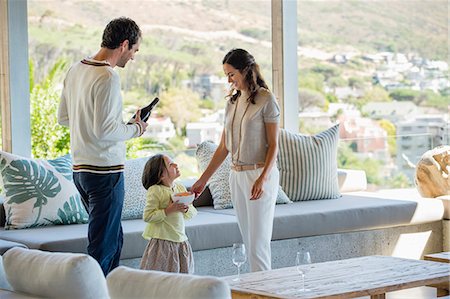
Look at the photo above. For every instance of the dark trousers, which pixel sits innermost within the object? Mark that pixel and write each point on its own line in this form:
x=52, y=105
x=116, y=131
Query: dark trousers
x=103, y=196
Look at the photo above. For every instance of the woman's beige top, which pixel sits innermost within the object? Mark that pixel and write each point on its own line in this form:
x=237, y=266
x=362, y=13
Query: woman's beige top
x=245, y=133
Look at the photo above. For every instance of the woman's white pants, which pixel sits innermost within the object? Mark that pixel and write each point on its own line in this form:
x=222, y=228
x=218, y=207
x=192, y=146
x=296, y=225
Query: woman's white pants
x=255, y=217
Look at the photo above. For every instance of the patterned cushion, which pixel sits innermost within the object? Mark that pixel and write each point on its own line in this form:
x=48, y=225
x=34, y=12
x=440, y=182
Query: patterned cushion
x=135, y=193
x=39, y=192
x=219, y=182
x=308, y=165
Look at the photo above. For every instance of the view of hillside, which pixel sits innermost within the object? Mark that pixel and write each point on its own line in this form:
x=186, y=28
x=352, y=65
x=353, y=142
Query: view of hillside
x=375, y=64
x=419, y=26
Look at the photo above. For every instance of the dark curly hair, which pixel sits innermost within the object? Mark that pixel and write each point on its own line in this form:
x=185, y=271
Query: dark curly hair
x=118, y=30
x=245, y=63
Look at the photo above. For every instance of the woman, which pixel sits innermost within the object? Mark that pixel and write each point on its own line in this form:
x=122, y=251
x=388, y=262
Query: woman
x=250, y=135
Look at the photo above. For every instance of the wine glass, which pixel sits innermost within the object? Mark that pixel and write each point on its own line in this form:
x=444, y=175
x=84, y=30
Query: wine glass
x=302, y=258
x=239, y=258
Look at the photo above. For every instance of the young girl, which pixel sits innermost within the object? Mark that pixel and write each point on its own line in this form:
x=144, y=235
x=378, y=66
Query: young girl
x=168, y=248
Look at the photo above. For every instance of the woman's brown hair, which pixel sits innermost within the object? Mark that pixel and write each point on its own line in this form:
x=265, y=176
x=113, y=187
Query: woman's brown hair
x=245, y=63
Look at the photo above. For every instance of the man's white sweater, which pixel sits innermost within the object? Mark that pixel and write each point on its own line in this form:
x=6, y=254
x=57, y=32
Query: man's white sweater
x=91, y=105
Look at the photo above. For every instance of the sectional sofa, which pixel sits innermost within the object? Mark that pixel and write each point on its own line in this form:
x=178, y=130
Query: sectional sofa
x=356, y=224
x=351, y=222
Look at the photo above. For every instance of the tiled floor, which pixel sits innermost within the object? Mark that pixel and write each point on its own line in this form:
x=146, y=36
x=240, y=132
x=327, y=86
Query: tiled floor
x=415, y=293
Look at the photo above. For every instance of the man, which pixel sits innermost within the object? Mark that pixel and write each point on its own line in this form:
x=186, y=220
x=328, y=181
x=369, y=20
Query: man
x=91, y=106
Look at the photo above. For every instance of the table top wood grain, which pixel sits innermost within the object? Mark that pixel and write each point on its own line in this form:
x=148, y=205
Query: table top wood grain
x=442, y=257
x=356, y=277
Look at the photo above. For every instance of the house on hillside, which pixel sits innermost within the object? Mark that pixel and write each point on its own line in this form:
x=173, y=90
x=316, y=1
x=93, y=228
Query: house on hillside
x=365, y=136
x=160, y=129
x=197, y=132
x=393, y=111
x=418, y=135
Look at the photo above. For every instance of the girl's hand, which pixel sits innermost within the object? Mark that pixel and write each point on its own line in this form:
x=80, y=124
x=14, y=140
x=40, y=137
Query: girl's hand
x=198, y=187
x=175, y=207
x=257, y=189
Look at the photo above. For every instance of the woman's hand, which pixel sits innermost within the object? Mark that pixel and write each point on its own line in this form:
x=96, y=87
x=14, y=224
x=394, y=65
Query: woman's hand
x=257, y=189
x=198, y=187
x=175, y=207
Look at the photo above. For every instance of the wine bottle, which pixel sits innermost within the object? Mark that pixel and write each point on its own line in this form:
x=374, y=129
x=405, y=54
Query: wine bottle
x=145, y=112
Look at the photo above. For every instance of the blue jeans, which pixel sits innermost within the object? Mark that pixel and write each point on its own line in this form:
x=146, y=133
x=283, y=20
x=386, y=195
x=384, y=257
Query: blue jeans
x=103, y=196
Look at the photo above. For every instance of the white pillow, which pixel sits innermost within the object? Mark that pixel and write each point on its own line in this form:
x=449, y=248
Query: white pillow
x=39, y=192
x=219, y=184
x=124, y=282
x=308, y=164
x=54, y=274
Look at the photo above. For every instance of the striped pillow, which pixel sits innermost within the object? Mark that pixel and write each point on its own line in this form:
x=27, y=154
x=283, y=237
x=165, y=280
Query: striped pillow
x=308, y=165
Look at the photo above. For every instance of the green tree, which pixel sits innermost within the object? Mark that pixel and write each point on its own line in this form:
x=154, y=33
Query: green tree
x=347, y=159
x=432, y=99
x=328, y=71
x=404, y=95
x=376, y=94
x=48, y=138
x=398, y=181
x=181, y=105
x=311, y=80
x=308, y=98
x=337, y=81
x=356, y=82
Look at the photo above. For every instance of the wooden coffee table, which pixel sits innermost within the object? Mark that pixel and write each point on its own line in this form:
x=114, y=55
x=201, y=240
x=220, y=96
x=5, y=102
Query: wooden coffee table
x=365, y=276
x=443, y=257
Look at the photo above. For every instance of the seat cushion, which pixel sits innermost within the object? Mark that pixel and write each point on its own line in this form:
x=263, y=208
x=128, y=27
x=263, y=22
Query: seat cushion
x=213, y=228
x=124, y=282
x=54, y=274
x=5, y=245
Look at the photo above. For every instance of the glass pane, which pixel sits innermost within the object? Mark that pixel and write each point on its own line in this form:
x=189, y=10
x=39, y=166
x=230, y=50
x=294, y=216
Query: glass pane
x=180, y=61
x=380, y=69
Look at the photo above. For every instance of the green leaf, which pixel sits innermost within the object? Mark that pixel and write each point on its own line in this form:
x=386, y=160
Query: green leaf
x=64, y=166
x=25, y=180
x=73, y=212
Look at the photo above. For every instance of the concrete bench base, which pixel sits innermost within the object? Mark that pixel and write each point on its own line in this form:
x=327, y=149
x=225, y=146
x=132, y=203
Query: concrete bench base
x=411, y=241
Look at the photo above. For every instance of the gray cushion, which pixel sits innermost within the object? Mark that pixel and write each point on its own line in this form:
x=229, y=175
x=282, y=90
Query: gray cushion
x=218, y=228
x=5, y=245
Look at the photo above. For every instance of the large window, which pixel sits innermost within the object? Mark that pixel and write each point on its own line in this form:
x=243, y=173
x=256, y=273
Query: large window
x=380, y=68
x=179, y=61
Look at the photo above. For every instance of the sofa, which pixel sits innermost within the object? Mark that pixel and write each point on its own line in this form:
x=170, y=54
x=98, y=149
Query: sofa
x=30, y=273
x=341, y=221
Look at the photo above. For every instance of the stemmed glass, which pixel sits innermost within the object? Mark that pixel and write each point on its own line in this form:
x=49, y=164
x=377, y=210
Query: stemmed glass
x=239, y=258
x=302, y=258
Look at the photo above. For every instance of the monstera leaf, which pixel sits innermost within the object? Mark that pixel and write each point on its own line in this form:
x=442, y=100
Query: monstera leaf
x=25, y=180
x=64, y=166
x=73, y=212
